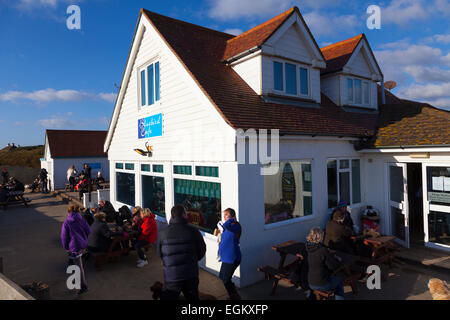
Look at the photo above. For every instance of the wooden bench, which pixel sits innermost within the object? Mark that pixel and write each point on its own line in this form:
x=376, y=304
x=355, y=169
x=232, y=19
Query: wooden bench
x=323, y=295
x=276, y=275
x=15, y=197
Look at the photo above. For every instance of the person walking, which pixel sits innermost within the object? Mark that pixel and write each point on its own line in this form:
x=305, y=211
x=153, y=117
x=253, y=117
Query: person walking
x=74, y=237
x=43, y=177
x=147, y=235
x=180, y=247
x=230, y=252
x=71, y=174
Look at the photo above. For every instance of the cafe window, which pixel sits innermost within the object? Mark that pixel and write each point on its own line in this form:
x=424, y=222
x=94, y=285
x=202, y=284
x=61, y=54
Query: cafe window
x=153, y=194
x=207, y=171
x=129, y=166
x=288, y=194
x=182, y=170
x=125, y=188
x=145, y=167
x=202, y=201
x=344, y=181
x=158, y=168
x=119, y=165
x=438, y=185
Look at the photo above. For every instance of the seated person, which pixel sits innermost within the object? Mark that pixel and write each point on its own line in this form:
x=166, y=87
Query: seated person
x=147, y=235
x=136, y=219
x=321, y=264
x=99, y=239
x=348, y=221
x=16, y=185
x=125, y=214
x=99, y=180
x=34, y=185
x=106, y=207
x=337, y=234
x=82, y=187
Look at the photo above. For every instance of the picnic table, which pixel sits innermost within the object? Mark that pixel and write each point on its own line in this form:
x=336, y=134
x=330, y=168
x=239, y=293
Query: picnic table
x=298, y=250
x=382, y=249
x=14, y=197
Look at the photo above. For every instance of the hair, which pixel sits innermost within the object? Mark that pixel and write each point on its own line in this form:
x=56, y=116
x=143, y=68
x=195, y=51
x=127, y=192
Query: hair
x=177, y=211
x=101, y=200
x=315, y=235
x=146, y=213
x=100, y=216
x=73, y=208
x=136, y=210
x=338, y=215
x=231, y=212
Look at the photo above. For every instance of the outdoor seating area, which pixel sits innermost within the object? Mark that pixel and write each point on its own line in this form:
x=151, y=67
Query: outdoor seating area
x=11, y=191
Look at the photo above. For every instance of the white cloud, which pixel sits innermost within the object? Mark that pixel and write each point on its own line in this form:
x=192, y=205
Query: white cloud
x=428, y=74
x=52, y=95
x=235, y=9
x=435, y=94
x=233, y=31
x=56, y=122
x=404, y=12
x=439, y=38
x=327, y=25
x=62, y=121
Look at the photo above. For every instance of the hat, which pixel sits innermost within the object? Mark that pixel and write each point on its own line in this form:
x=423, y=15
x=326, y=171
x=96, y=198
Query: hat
x=342, y=204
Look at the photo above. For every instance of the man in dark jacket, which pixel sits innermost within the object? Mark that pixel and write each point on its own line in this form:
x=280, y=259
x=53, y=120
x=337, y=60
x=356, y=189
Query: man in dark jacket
x=337, y=234
x=100, y=237
x=43, y=177
x=180, y=247
x=106, y=207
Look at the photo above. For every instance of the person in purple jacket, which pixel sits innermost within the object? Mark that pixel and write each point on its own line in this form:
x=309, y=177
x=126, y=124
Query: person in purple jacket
x=74, y=237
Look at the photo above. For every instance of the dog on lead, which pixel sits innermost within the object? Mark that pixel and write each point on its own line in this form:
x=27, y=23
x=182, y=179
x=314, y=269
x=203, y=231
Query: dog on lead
x=157, y=287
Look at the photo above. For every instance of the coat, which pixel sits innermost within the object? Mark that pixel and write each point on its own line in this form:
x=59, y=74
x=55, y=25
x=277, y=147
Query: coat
x=148, y=230
x=337, y=236
x=321, y=264
x=180, y=247
x=229, y=248
x=100, y=237
x=74, y=233
x=109, y=211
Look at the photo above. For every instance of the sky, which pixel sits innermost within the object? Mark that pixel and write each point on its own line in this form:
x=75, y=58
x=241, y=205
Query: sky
x=53, y=77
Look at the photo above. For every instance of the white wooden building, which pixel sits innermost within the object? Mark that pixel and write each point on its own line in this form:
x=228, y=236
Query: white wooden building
x=188, y=90
x=64, y=148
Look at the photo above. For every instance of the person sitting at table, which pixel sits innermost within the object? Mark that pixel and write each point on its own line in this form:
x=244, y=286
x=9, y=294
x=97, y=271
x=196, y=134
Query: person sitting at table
x=125, y=214
x=100, y=237
x=321, y=264
x=136, y=219
x=106, y=207
x=34, y=185
x=15, y=185
x=337, y=234
x=99, y=179
x=348, y=221
x=82, y=187
x=147, y=235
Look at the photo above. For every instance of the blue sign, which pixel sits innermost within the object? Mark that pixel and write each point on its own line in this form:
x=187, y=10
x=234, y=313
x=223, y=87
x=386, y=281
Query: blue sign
x=150, y=126
x=96, y=165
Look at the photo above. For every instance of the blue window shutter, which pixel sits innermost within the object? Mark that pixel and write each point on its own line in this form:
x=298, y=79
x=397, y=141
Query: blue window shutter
x=304, y=81
x=291, y=78
x=278, y=75
x=143, y=88
x=151, y=85
x=157, y=81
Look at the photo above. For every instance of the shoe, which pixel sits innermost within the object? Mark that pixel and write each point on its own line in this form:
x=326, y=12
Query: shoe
x=139, y=260
x=82, y=290
x=142, y=263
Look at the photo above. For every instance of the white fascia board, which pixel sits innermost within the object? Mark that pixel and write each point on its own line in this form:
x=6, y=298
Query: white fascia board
x=406, y=150
x=302, y=28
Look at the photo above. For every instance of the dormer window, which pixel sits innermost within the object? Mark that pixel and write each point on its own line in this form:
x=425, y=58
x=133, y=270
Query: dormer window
x=149, y=84
x=290, y=79
x=358, y=91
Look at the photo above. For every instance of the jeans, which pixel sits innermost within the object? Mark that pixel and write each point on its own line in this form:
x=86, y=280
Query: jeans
x=171, y=290
x=226, y=274
x=138, y=246
x=44, y=187
x=335, y=283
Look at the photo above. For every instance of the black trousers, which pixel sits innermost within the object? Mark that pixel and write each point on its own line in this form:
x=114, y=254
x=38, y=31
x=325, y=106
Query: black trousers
x=171, y=290
x=226, y=274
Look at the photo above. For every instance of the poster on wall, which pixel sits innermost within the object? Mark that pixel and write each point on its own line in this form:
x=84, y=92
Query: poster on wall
x=438, y=183
x=446, y=184
x=150, y=126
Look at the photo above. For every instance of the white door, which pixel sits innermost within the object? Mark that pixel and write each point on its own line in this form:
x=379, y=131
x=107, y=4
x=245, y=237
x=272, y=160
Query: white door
x=398, y=203
x=436, y=195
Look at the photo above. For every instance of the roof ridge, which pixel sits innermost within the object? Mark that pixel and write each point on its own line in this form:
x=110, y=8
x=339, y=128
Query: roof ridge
x=333, y=45
x=286, y=13
x=187, y=23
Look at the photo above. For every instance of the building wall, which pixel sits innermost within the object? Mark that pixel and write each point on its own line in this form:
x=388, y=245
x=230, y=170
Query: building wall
x=250, y=69
x=330, y=86
x=257, y=237
x=58, y=175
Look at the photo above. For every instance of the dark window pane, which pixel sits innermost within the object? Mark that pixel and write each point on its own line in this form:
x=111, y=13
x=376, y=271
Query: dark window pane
x=145, y=167
x=182, y=170
x=158, y=168
x=439, y=227
x=291, y=78
x=278, y=76
x=207, y=171
x=202, y=201
x=153, y=195
x=344, y=186
x=119, y=165
x=304, y=81
x=125, y=188
x=157, y=81
x=129, y=166
x=396, y=184
x=356, y=181
x=358, y=91
x=332, y=184
x=151, y=85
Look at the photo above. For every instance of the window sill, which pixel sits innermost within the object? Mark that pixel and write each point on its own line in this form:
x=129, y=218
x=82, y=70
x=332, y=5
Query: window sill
x=284, y=223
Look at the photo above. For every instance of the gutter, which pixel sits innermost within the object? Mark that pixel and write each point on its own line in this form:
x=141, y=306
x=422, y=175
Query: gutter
x=242, y=54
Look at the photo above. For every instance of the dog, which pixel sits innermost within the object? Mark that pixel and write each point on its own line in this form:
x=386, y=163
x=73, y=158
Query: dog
x=157, y=287
x=439, y=289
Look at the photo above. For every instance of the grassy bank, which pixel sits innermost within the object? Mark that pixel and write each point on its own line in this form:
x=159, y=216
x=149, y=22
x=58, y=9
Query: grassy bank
x=28, y=157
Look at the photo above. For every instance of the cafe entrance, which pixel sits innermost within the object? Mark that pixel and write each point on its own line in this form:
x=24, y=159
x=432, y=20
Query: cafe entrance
x=436, y=206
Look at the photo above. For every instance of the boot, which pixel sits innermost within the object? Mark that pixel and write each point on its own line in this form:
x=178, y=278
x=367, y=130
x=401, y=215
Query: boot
x=234, y=296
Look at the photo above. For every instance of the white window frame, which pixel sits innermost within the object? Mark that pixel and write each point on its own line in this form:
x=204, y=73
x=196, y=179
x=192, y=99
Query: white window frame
x=297, y=75
x=349, y=169
x=138, y=72
x=353, y=100
x=136, y=180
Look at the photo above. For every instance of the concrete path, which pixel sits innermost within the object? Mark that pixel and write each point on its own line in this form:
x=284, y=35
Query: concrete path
x=31, y=249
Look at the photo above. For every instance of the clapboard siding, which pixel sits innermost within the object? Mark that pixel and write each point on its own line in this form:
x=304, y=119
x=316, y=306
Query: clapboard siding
x=188, y=122
x=330, y=87
x=250, y=71
x=291, y=45
x=360, y=67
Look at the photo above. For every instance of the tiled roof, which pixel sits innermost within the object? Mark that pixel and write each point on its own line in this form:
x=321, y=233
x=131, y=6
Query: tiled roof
x=338, y=54
x=201, y=50
x=404, y=123
x=255, y=36
x=76, y=143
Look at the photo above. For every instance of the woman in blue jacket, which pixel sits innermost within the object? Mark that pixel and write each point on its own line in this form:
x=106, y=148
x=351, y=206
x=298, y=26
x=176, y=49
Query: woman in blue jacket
x=230, y=252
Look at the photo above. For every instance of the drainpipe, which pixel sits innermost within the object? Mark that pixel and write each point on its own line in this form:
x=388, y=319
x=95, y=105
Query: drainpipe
x=383, y=94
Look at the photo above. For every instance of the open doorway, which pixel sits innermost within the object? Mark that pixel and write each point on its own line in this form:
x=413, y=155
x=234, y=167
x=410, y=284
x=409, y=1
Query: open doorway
x=415, y=199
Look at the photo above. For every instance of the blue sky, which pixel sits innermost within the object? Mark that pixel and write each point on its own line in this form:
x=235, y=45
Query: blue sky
x=53, y=77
